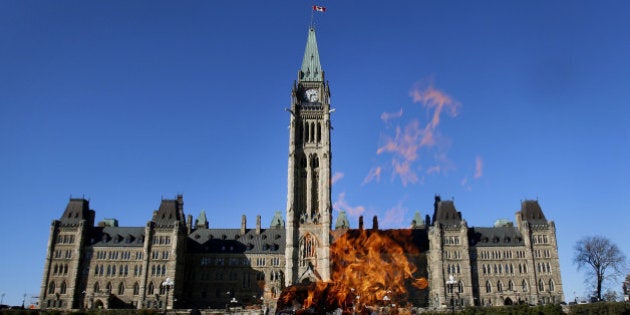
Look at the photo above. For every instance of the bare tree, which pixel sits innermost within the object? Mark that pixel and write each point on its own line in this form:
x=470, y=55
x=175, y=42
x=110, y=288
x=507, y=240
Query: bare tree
x=604, y=258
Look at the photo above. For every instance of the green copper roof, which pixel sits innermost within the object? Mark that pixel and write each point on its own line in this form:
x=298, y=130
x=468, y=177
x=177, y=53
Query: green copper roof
x=202, y=220
x=311, y=68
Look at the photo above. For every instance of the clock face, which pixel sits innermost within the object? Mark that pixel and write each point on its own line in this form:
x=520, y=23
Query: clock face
x=311, y=95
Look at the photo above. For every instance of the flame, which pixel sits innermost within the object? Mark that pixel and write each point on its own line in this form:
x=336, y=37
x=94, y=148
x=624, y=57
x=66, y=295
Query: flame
x=370, y=268
x=371, y=264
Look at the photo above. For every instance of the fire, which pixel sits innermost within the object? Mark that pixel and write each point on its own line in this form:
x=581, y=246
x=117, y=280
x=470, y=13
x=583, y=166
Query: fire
x=370, y=268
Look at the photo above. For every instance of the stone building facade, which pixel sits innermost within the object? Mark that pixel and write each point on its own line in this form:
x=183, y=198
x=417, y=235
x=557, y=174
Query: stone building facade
x=173, y=262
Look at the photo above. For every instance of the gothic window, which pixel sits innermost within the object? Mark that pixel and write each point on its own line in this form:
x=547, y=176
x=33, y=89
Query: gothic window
x=524, y=286
x=306, y=132
x=460, y=287
x=315, y=183
x=63, y=288
x=151, y=288
x=551, y=285
x=511, y=285
x=121, y=288
x=541, y=286
x=51, y=287
x=136, y=288
x=108, y=287
x=312, y=136
x=97, y=288
x=319, y=132
x=499, y=286
x=488, y=287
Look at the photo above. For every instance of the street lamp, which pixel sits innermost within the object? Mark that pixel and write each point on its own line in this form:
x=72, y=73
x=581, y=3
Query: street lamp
x=2, y=297
x=450, y=283
x=167, y=284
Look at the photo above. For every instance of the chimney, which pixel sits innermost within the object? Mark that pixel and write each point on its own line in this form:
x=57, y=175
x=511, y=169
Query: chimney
x=257, y=224
x=360, y=222
x=189, y=223
x=243, y=224
x=375, y=223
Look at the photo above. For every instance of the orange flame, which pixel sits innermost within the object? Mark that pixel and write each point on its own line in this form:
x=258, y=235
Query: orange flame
x=371, y=264
x=369, y=268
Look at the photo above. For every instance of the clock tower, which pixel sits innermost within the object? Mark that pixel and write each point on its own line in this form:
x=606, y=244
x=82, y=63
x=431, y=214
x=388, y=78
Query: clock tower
x=309, y=210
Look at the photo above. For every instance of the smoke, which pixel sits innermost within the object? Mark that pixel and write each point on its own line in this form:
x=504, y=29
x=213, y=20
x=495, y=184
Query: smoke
x=478, y=174
x=342, y=205
x=373, y=174
x=478, y=167
x=336, y=177
x=416, y=139
x=394, y=216
x=385, y=117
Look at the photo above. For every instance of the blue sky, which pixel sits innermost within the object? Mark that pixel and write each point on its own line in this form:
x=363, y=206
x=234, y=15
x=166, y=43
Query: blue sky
x=128, y=102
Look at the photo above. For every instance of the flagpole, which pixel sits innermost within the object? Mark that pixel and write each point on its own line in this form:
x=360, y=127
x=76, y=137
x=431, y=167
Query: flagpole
x=312, y=14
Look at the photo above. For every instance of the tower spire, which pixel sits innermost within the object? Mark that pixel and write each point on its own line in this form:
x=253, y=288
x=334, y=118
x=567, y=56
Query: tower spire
x=311, y=68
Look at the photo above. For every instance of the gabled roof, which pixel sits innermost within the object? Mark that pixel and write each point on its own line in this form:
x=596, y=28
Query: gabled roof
x=78, y=209
x=170, y=211
x=495, y=236
x=342, y=221
x=115, y=236
x=446, y=213
x=531, y=212
x=228, y=241
x=277, y=222
x=311, y=68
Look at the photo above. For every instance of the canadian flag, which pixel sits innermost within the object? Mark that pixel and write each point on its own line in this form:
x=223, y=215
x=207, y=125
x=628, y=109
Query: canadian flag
x=319, y=9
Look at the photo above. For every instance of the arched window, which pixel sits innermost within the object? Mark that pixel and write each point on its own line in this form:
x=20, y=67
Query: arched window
x=97, y=288
x=551, y=285
x=511, y=285
x=151, y=288
x=541, y=286
x=309, y=245
x=306, y=132
x=319, y=132
x=524, y=286
x=136, y=288
x=121, y=288
x=499, y=286
x=460, y=287
x=62, y=289
x=488, y=287
x=51, y=287
x=108, y=287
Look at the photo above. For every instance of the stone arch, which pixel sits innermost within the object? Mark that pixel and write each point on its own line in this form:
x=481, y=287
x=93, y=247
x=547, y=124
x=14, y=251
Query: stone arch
x=98, y=304
x=508, y=301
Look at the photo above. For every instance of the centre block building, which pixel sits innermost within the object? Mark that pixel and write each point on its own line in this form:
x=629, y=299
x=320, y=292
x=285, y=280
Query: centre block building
x=174, y=262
